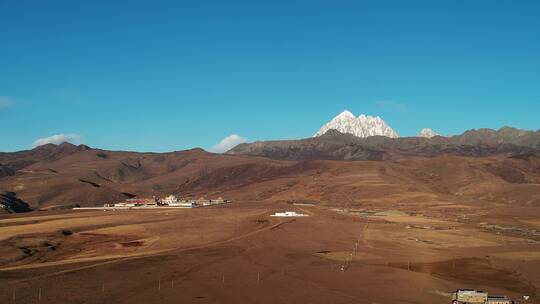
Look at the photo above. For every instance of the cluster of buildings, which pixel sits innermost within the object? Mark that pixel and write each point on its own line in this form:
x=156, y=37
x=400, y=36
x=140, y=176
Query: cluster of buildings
x=169, y=201
x=471, y=296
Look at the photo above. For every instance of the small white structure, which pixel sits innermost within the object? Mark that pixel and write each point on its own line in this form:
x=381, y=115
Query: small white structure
x=124, y=205
x=218, y=201
x=288, y=214
x=170, y=200
x=184, y=204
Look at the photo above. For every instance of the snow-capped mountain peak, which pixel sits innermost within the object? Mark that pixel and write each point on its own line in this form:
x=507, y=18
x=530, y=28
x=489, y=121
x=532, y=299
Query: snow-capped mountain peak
x=427, y=133
x=345, y=115
x=361, y=126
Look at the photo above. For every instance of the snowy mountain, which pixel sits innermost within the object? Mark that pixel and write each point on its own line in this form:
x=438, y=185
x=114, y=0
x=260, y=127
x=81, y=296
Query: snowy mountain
x=427, y=133
x=361, y=126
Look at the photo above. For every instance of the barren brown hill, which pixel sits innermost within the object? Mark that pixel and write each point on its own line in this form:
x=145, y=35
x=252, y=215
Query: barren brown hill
x=425, y=225
x=68, y=175
x=335, y=145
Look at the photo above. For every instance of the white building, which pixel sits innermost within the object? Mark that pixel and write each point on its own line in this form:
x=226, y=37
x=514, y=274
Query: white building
x=170, y=200
x=469, y=296
x=288, y=214
x=219, y=200
x=183, y=204
x=124, y=205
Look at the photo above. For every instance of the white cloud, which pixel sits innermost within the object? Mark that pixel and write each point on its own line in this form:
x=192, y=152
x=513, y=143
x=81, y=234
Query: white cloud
x=58, y=139
x=6, y=102
x=228, y=143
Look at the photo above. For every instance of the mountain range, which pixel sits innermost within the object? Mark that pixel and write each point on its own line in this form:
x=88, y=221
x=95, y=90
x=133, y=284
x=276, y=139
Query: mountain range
x=361, y=126
x=66, y=175
x=427, y=133
x=347, y=137
x=316, y=170
x=339, y=146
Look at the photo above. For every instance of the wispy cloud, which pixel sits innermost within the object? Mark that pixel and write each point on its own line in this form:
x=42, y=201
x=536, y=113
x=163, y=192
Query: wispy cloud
x=58, y=139
x=391, y=105
x=6, y=102
x=228, y=143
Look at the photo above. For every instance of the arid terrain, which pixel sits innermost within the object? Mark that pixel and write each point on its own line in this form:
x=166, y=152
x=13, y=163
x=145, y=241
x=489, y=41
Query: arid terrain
x=408, y=229
x=238, y=254
x=269, y=152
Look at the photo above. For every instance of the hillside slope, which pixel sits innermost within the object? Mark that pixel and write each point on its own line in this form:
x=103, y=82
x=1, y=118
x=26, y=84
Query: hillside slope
x=87, y=177
x=336, y=145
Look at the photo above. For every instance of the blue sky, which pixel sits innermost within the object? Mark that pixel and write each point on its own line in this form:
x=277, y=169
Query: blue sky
x=171, y=75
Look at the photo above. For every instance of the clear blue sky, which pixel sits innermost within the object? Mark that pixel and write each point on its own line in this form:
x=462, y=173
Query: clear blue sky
x=171, y=75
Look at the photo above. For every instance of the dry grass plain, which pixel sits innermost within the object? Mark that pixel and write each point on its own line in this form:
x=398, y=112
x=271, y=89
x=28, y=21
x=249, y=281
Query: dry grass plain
x=238, y=254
